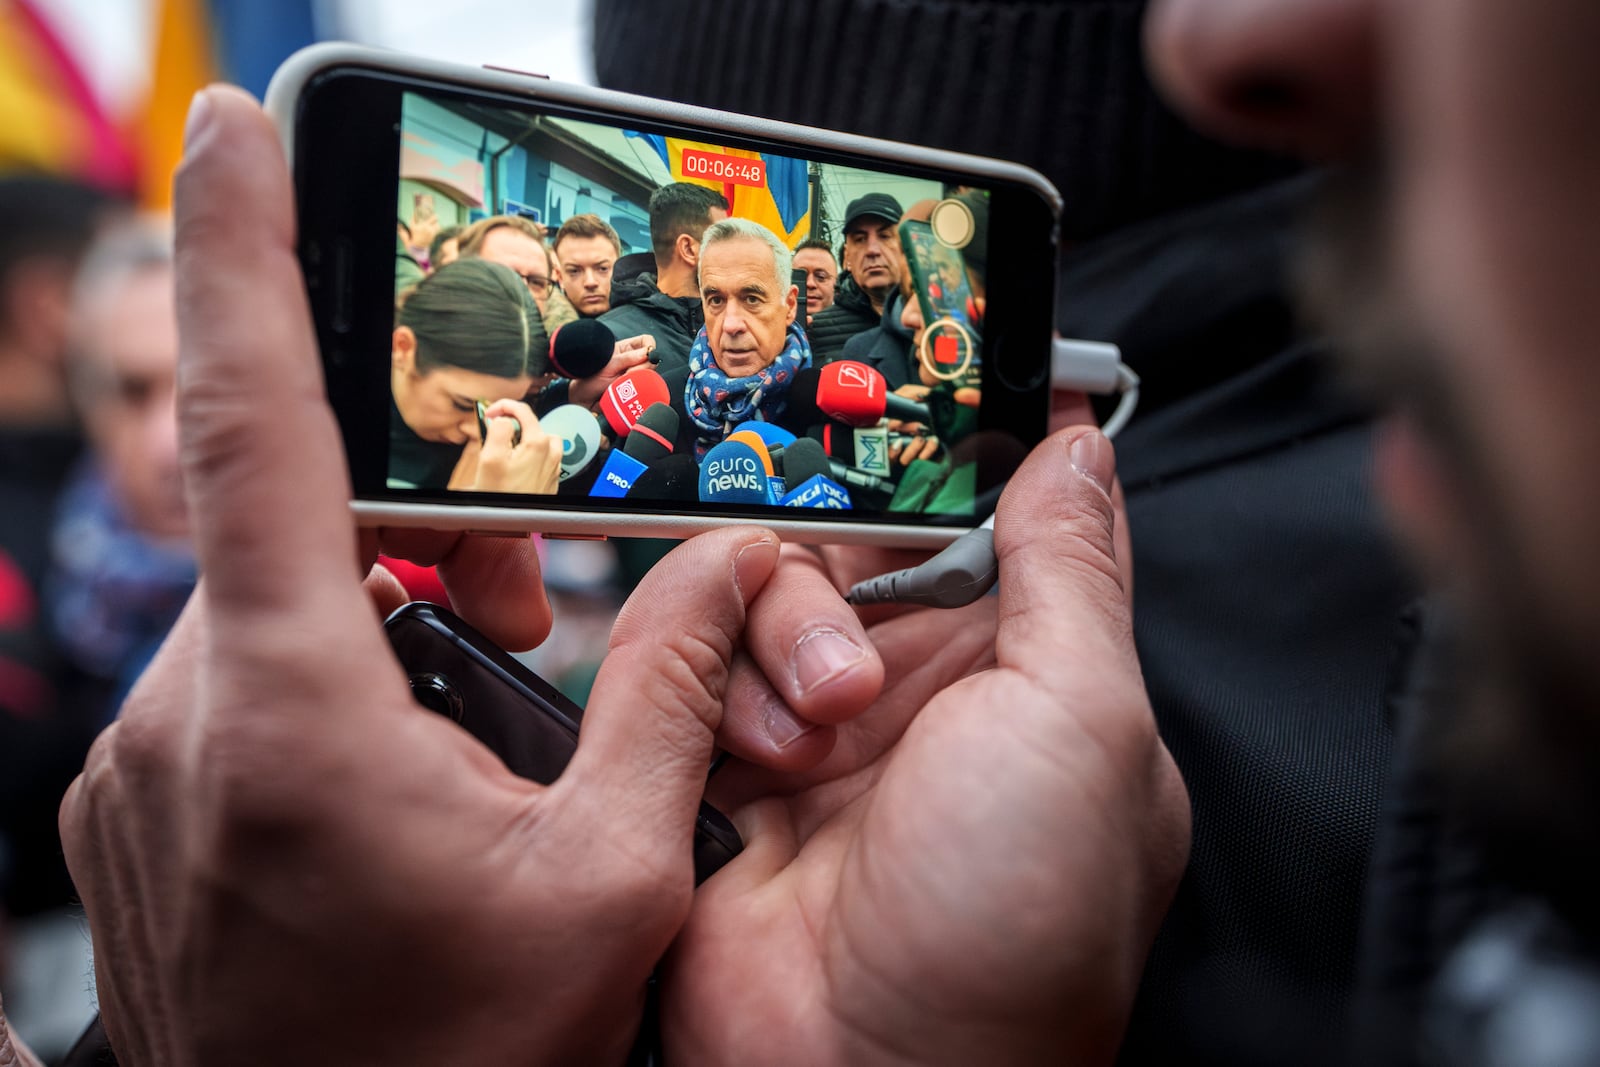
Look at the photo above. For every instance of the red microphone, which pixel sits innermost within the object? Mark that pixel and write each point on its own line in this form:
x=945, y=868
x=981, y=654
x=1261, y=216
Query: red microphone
x=627, y=398
x=855, y=394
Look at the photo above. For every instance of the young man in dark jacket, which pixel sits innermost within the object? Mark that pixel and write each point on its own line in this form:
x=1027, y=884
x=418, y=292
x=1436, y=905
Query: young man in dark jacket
x=666, y=304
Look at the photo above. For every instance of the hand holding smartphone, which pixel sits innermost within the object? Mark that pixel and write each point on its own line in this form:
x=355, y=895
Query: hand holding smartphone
x=584, y=192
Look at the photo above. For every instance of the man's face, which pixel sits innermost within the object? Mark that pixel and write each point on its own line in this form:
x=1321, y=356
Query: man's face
x=522, y=254
x=586, y=264
x=872, y=254
x=821, y=276
x=131, y=345
x=1483, y=111
x=748, y=310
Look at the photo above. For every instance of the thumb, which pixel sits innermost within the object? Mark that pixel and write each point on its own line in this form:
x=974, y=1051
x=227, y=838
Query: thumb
x=263, y=462
x=647, y=735
x=1064, y=610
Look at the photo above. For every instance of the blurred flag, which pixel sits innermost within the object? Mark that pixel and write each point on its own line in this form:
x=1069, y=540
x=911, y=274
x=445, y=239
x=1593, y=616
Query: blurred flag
x=198, y=42
x=50, y=119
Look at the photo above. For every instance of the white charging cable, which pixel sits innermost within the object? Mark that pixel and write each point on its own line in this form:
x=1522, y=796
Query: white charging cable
x=967, y=567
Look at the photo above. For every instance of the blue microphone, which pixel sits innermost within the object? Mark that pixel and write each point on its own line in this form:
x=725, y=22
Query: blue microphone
x=618, y=474
x=774, y=435
x=806, y=469
x=733, y=473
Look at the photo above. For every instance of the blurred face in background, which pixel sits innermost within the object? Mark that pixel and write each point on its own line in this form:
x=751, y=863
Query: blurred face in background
x=126, y=345
x=522, y=254
x=1462, y=269
x=822, y=274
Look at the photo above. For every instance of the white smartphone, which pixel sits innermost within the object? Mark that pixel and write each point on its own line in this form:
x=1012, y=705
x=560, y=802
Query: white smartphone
x=751, y=410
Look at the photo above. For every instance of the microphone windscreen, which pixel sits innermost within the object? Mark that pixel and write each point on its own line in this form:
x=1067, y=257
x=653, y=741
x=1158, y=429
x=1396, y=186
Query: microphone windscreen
x=675, y=478
x=774, y=435
x=852, y=393
x=803, y=461
x=626, y=399
x=579, y=433
x=801, y=410
x=581, y=348
x=757, y=444
x=837, y=440
x=653, y=435
x=733, y=473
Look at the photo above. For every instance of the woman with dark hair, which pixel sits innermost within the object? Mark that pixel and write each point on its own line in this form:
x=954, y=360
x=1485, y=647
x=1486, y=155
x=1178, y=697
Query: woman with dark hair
x=469, y=332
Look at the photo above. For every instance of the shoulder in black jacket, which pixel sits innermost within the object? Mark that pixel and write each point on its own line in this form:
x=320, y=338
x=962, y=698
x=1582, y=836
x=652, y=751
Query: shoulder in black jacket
x=886, y=347
x=638, y=306
x=849, y=314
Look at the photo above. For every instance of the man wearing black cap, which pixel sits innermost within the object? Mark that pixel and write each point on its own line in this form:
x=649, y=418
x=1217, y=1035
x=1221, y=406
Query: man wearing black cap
x=871, y=259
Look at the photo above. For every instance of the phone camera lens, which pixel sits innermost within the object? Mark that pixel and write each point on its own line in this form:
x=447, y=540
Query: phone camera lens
x=434, y=692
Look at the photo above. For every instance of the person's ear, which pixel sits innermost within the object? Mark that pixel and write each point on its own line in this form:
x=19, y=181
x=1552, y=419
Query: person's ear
x=403, y=350
x=791, y=302
x=688, y=249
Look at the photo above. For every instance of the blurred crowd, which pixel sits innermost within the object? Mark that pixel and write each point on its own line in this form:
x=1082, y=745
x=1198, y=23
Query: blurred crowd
x=94, y=558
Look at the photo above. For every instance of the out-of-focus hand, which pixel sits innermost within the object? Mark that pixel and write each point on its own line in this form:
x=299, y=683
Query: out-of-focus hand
x=630, y=352
x=281, y=856
x=917, y=446
x=13, y=1053
x=975, y=871
x=532, y=464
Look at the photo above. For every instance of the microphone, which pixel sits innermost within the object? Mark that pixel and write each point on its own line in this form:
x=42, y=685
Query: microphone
x=836, y=443
x=675, y=478
x=801, y=410
x=734, y=473
x=627, y=398
x=864, y=449
x=768, y=460
x=580, y=437
x=855, y=394
x=774, y=435
x=650, y=440
x=806, y=469
x=580, y=349
x=654, y=435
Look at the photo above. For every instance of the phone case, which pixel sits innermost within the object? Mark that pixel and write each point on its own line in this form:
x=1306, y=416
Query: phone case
x=458, y=673
x=301, y=69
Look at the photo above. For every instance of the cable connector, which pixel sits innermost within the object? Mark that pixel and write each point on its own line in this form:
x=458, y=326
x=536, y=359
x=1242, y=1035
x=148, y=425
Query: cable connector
x=1087, y=366
x=967, y=568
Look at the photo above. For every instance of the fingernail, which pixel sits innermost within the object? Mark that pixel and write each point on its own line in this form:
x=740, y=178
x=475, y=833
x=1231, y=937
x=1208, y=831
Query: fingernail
x=744, y=562
x=1093, y=457
x=822, y=656
x=200, y=110
x=784, y=727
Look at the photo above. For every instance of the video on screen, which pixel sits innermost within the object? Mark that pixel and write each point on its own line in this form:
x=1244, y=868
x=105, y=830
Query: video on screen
x=584, y=310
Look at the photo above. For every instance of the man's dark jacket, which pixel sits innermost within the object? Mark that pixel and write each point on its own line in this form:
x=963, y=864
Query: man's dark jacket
x=638, y=306
x=849, y=314
x=1273, y=622
x=886, y=347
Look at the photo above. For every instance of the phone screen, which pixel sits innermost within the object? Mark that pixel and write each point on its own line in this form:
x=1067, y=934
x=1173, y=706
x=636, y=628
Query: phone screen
x=520, y=224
